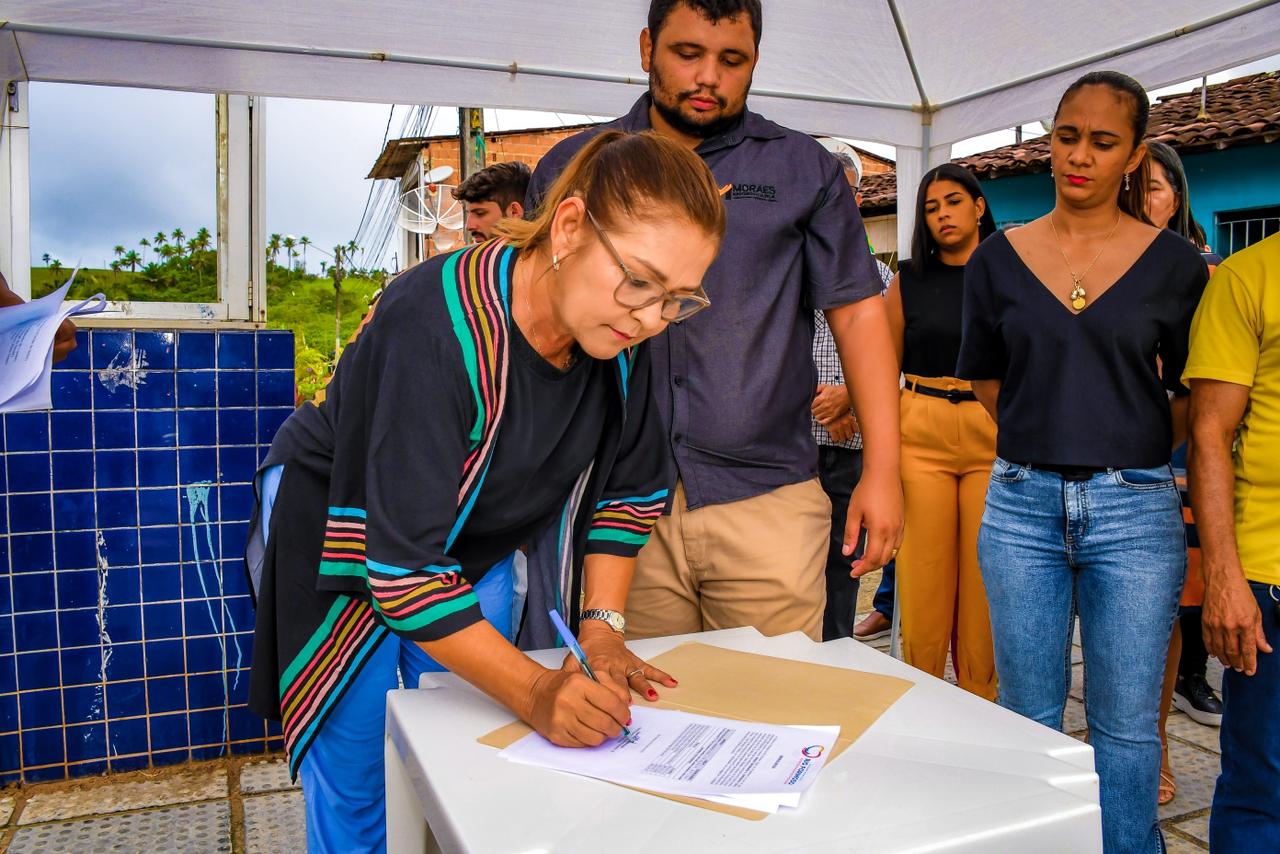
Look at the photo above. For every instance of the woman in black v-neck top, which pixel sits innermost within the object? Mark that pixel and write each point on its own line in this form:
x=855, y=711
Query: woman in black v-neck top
x=1081, y=371
x=1083, y=390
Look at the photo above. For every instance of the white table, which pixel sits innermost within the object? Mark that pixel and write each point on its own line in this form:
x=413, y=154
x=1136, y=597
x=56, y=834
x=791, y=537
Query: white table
x=942, y=770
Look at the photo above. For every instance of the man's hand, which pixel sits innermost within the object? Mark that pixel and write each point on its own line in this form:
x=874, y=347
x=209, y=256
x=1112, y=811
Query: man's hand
x=64, y=341
x=1232, y=622
x=862, y=336
x=830, y=403
x=842, y=429
x=876, y=504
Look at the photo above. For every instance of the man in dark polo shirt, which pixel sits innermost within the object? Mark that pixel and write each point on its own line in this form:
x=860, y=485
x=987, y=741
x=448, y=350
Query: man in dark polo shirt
x=745, y=541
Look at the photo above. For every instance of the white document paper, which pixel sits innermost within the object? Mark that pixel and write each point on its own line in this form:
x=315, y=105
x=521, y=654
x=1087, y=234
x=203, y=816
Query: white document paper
x=770, y=803
x=679, y=753
x=26, y=347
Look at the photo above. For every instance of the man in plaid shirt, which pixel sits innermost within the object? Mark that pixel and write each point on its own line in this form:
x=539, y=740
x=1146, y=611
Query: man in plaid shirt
x=839, y=466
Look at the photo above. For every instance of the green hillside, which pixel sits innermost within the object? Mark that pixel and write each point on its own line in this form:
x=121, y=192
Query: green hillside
x=296, y=301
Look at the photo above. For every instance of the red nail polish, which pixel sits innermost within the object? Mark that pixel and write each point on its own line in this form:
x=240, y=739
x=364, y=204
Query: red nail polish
x=652, y=694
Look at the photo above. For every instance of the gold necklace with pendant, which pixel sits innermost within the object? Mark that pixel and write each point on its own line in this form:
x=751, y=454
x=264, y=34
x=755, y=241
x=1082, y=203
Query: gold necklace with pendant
x=1079, y=299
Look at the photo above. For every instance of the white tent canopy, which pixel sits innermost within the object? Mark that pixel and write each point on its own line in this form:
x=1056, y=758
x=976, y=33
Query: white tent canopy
x=916, y=74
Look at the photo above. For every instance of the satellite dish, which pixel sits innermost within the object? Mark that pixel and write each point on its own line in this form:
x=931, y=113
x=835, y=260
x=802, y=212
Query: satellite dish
x=437, y=175
x=424, y=210
x=840, y=147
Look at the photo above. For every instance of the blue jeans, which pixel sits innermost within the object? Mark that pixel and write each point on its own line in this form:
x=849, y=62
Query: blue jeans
x=1246, y=802
x=884, y=593
x=1111, y=549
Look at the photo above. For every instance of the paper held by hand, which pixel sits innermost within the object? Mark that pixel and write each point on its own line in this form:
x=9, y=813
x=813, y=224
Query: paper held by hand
x=679, y=753
x=27, y=334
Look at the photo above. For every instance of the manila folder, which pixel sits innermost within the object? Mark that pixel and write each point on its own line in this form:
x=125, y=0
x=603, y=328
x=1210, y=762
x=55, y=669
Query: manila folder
x=750, y=687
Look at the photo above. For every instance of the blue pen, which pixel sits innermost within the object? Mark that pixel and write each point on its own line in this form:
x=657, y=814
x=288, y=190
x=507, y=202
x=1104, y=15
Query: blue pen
x=572, y=642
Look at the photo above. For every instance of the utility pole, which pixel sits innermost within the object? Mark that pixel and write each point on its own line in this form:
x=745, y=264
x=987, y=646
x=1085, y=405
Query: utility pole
x=470, y=141
x=338, y=275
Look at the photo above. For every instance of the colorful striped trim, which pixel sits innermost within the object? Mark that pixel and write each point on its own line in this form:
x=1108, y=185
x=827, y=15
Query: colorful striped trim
x=627, y=520
x=314, y=681
x=406, y=599
x=475, y=290
x=476, y=287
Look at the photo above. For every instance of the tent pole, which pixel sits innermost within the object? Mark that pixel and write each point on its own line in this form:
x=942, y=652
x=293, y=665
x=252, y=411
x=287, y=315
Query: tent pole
x=15, y=188
x=911, y=58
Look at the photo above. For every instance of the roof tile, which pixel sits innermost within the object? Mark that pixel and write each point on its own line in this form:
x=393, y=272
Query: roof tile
x=1244, y=111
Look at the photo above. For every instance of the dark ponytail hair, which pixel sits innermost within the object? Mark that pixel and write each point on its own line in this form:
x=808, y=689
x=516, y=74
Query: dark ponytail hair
x=1132, y=201
x=1182, y=222
x=924, y=248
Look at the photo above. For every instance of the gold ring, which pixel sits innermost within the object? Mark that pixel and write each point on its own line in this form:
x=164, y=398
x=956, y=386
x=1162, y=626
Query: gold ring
x=634, y=672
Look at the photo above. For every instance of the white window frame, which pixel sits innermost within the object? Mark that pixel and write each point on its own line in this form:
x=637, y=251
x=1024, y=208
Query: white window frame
x=240, y=128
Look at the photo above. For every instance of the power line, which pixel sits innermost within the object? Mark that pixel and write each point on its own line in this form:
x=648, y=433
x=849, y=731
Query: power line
x=385, y=135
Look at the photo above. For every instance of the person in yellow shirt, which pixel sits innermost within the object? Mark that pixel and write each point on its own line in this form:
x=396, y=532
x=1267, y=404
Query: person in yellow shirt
x=1234, y=475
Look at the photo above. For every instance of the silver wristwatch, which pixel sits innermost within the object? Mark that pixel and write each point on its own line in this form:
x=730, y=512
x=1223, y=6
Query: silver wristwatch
x=616, y=621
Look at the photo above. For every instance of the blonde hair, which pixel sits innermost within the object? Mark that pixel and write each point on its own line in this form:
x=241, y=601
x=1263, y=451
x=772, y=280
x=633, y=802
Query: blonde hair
x=627, y=176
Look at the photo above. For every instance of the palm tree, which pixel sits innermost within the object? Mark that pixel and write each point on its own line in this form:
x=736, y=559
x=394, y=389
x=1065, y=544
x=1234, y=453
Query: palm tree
x=304, y=242
x=119, y=250
x=160, y=239
x=144, y=243
x=152, y=273
x=168, y=251
x=132, y=259
x=273, y=248
x=201, y=241
x=115, y=269
x=323, y=266
x=289, y=242
x=178, y=236
x=55, y=265
x=45, y=259
x=351, y=249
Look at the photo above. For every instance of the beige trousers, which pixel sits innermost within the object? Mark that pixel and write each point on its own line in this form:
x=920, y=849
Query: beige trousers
x=947, y=451
x=757, y=562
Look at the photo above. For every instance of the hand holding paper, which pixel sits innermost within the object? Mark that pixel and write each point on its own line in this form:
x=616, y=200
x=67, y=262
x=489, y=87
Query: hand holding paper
x=28, y=336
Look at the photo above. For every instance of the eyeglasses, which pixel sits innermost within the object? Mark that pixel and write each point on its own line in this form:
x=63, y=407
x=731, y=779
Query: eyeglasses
x=635, y=292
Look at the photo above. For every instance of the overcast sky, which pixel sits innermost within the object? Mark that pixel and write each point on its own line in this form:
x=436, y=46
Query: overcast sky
x=110, y=166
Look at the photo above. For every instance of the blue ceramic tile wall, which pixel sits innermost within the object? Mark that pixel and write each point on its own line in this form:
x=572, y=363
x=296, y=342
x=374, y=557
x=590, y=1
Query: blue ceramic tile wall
x=125, y=620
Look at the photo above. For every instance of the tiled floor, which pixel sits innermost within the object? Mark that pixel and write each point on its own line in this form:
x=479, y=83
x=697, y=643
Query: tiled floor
x=231, y=805
x=248, y=804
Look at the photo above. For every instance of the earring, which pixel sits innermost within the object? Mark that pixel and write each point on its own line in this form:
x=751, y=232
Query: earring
x=1126, y=181
x=555, y=262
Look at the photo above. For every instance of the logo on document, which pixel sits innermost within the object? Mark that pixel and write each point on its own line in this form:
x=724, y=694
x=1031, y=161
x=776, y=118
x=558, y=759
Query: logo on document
x=813, y=751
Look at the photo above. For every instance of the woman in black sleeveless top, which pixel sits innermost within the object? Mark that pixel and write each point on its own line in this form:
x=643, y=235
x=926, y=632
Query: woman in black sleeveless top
x=948, y=440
